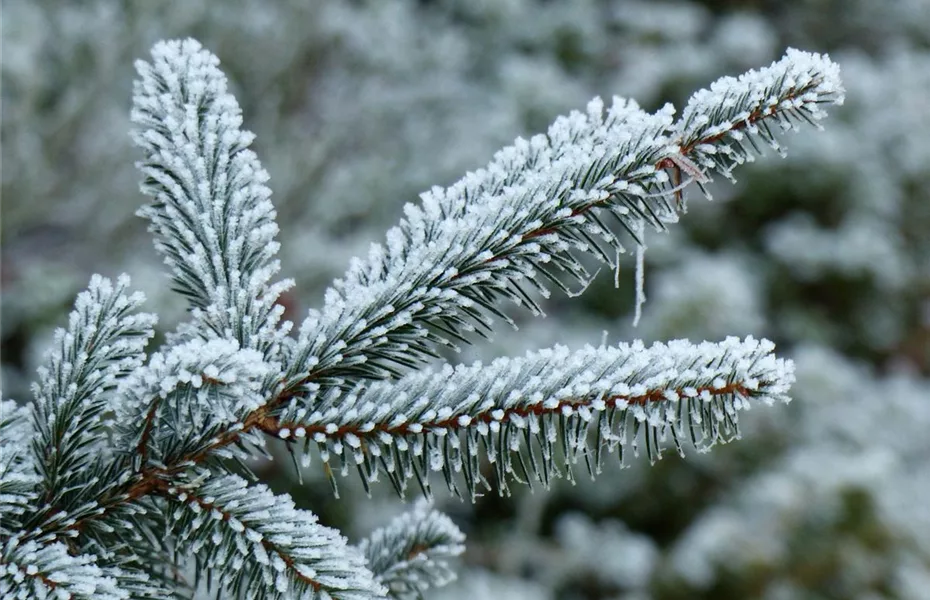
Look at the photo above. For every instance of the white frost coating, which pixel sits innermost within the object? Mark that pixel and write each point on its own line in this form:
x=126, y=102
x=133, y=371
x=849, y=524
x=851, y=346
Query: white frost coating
x=496, y=229
x=102, y=345
x=211, y=213
x=411, y=554
x=718, y=124
x=679, y=390
x=277, y=543
x=163, y=400
x=18, y=478
x=536, y=203
x=30, y=571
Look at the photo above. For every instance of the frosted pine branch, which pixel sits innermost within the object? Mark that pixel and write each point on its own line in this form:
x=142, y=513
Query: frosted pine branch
x=440, y=275
x=18, y=480
x=176, y=405
x=410, y=554
x=211, y=211
x=260, y=545
x=493, y=234
x=718, y=127
x=103, y=343
x=531, y=415
x=30, y=571
x=122, y=466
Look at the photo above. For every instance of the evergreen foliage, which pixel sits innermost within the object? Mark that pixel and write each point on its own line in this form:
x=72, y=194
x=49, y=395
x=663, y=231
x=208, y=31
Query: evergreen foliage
x=124, y=478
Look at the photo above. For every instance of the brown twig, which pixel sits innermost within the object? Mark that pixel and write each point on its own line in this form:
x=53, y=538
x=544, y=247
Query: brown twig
x=272, y=426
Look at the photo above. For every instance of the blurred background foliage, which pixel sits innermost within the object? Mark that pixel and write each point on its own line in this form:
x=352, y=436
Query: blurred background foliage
x=359, y=106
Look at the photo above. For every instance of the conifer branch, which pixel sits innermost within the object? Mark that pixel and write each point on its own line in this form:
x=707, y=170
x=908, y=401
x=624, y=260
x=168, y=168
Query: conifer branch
x=257, y=545
x=211, y=211
x=718, y=127
x=18, y=479
x=30, y=570
x=410, y=555
x=440, y=275
x=491, y=235
x=104, y=342
x=180, y=402
x=523, y=413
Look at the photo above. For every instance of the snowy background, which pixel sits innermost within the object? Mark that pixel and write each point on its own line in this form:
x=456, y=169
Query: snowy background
x=359, y=106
